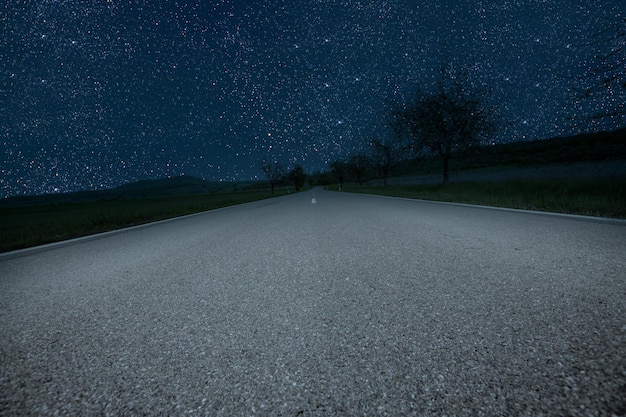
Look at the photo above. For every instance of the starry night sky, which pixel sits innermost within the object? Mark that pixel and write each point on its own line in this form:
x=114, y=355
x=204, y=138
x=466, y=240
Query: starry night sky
x=97, y=93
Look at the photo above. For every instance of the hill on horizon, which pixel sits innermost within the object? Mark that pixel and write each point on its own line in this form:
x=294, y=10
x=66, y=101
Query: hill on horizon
x=162, y=187
x=584, y=147
x=184, y=184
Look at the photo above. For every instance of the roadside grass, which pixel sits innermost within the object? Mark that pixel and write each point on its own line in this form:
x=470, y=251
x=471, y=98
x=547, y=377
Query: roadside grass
x=26, y=226
x=601, y=197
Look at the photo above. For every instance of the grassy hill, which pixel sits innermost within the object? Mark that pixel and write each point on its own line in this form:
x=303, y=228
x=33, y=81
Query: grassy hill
x=576, y=191
x=584, y=147
x=34, y=220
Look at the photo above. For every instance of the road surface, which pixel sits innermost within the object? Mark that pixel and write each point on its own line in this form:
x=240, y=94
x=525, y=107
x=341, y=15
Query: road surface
x=320, y=304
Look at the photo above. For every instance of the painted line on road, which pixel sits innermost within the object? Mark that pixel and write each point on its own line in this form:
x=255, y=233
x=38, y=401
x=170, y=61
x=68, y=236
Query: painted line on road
x=313, y=201
x=621, y=222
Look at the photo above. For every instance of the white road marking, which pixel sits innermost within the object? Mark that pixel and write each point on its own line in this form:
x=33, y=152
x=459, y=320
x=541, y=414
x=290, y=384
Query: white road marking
x=313, y=200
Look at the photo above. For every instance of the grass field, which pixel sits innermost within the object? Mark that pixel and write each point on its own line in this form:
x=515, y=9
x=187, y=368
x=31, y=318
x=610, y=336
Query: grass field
x=602, y=197
x=27, y=226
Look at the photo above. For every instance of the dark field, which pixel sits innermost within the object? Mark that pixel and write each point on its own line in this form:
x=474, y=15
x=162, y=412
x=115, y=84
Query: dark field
x=26, y=226
x=602, y=196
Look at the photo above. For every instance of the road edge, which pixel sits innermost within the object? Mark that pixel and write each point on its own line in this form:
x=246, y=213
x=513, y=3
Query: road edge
x=609, y=220
x=62, y=243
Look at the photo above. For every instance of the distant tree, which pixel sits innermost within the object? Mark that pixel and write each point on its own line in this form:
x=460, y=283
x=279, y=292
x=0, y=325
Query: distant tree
x=297, y=176
x=454, y=116
x=273, y=172
x=320, y=178
x=339, y=170
x=602, y=85
x=385, y=154
x=358, y=165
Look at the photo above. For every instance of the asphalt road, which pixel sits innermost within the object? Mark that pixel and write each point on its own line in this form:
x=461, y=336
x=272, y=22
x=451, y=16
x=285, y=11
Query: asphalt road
x=352, y=305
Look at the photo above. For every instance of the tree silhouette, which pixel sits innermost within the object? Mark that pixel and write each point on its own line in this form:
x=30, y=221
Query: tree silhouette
x=273, y=172
x=385, y=154
x=339, y=170
x=358, y=165
x=297, y=176
x=452, y=117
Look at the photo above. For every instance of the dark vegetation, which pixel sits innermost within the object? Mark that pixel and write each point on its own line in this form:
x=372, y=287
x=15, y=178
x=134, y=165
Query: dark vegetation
x=451, y=117
x=580, y=148
x=274, y=173
x=601, y=197
x=595, y=196
x=30, y=221
x=277, y=176
x=591, y=147
x=297, y=177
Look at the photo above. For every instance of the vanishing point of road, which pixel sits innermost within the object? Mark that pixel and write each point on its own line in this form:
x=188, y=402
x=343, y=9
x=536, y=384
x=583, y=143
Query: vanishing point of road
x=322, y=304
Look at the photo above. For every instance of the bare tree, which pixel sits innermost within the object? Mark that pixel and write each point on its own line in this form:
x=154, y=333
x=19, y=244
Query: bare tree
x=273, y=172
x=339, y=170
x=452, y=117
x=358, y=165
x=297, y=176
x=385, y=154
x=602, y=84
